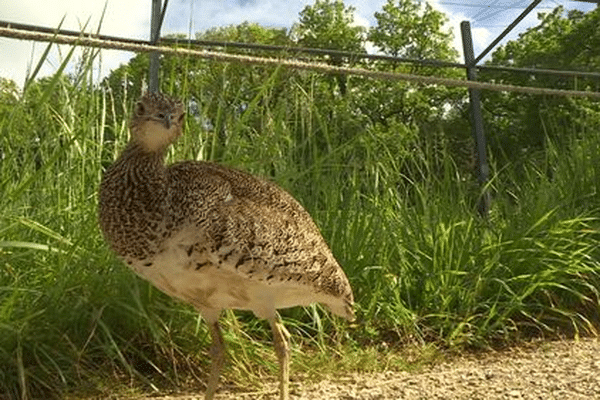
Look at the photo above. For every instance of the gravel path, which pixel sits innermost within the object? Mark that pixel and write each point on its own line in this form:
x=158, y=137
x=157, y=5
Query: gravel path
x=565, y=370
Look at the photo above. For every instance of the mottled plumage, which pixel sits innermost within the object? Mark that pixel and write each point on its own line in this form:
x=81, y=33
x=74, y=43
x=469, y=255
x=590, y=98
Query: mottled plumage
x=213, y=236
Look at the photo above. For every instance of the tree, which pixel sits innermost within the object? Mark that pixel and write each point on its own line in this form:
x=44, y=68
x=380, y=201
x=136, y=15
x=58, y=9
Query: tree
x=413, y=29
x=329, y=24
x=520, y=124
x=9, y=91
x=410, y=29
x=247, y=32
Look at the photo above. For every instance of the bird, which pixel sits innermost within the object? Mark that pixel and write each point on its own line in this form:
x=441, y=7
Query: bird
x=213, y=236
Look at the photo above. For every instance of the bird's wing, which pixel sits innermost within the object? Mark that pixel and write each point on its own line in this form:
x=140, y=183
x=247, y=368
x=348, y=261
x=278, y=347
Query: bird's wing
x=251, y=227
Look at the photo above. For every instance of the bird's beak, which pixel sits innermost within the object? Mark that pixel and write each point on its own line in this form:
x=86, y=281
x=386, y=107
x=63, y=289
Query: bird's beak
x=168, y=121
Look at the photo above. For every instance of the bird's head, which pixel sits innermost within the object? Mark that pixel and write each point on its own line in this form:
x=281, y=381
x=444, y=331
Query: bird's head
x=157, y=121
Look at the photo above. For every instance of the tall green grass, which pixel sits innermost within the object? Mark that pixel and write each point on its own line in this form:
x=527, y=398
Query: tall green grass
x=397, y=211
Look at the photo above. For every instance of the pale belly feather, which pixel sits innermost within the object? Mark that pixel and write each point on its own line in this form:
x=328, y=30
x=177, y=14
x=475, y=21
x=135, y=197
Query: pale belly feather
x=212, y=289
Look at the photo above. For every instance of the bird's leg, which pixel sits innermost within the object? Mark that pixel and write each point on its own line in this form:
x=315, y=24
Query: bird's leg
x=217, y=356
x=280, y=337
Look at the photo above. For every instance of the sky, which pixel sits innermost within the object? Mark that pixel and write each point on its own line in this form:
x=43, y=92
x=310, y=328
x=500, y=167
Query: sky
x=131, y=18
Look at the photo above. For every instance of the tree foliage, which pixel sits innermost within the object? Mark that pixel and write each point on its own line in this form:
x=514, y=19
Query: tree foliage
x=329, y=24
x=520, y=124
x=406, y=28
x=410, y=29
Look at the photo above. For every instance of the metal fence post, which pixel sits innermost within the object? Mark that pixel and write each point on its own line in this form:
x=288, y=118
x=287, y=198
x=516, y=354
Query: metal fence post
x=476, y=119
x=154, y=56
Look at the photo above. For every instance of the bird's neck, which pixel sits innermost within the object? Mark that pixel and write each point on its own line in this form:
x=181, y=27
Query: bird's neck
x=137, y=159
x=134, y=198
x=135, y=151
x=142, y=171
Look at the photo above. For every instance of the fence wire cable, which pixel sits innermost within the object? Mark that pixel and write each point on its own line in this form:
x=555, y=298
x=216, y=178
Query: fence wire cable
x=294, y=51
x=290, y=63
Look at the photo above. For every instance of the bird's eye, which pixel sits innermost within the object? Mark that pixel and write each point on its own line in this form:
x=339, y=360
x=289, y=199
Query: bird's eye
x=139, y=108
x=161, y=115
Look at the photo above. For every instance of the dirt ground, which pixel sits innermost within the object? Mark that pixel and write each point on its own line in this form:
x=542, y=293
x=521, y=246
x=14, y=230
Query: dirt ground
x=565, y=370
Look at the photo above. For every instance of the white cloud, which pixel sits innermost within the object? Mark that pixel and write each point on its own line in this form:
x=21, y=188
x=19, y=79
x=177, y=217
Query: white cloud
x=128, y=18
x=359, y=20
x=122, y=18
x=482, y=38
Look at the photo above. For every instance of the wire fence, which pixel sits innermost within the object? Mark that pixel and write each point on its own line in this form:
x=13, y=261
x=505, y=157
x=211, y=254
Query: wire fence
x=36, y=33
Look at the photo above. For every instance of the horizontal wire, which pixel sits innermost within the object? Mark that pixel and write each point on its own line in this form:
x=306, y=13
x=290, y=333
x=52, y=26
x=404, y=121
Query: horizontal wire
x=299, y=50
x=250, y=46
x=301, y=65
x=448, y=3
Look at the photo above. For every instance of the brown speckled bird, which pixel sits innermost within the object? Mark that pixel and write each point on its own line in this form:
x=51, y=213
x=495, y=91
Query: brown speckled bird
x=213, y=236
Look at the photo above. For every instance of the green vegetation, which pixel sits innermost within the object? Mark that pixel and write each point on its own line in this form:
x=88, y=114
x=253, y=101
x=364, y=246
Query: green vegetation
x=563, y=42
x=390, y=184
